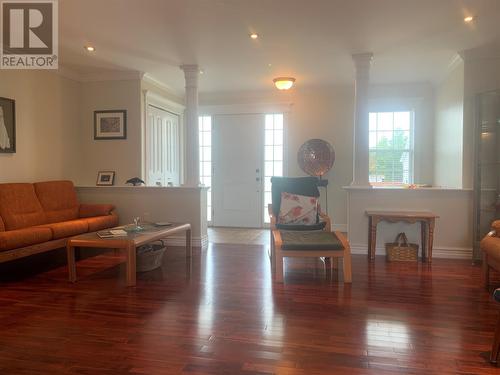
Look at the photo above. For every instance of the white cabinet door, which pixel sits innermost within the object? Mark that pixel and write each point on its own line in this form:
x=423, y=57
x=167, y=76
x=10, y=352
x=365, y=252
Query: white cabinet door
x=162, y=147
x=237, y=179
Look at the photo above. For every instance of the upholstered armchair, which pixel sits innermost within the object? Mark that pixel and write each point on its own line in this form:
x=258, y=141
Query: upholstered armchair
x=490, y=245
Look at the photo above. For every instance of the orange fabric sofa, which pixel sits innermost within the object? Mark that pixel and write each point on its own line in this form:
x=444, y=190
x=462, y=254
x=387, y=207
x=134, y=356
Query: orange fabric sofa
x=39, y=217
x=490, y=245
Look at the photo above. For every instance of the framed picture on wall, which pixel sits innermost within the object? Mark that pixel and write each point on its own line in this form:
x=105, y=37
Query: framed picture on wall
x=105, y=178
x=7, y=126
x=110, y=124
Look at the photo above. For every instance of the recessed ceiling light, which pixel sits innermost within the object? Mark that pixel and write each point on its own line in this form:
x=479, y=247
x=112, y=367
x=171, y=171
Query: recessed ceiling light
x=469, y=19
x=202, y=71
x=89, y=48
x=254, y=36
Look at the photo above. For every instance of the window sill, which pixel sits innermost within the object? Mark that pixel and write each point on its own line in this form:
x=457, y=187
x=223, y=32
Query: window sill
x=403, y=188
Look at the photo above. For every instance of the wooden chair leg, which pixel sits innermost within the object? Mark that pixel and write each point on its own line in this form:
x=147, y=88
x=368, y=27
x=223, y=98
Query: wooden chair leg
x=279, y=265
x=272, y=256
x=347, y=266
x=495, y=348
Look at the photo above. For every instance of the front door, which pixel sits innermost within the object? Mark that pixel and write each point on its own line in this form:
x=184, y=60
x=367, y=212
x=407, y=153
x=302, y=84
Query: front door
x=238, y=143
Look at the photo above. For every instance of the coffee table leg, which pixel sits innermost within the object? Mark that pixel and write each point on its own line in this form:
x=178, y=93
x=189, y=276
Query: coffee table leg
x=70, y=253
x=189, y=246
x=131, y=264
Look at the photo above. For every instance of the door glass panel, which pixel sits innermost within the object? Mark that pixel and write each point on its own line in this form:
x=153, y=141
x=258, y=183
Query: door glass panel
x=273, y=158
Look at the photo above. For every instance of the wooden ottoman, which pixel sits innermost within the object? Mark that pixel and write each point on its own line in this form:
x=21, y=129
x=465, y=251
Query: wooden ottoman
x=311, y=244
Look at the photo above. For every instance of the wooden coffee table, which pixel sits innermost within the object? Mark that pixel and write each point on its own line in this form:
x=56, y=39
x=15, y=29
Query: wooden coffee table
x=129, y=243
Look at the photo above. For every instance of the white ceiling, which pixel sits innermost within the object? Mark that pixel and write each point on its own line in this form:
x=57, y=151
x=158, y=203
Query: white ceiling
x=312, y=40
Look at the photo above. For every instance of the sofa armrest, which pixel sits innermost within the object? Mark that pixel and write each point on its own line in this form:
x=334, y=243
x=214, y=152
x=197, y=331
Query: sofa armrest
x=92, y=210
x=495, y=229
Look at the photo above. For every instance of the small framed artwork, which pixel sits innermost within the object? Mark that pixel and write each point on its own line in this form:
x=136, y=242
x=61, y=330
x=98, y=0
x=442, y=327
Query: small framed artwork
x=7, y=126
x=105, y=178
x=110, y=124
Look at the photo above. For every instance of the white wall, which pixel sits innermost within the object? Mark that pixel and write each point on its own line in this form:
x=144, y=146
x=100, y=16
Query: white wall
x=121, y=156
x=453, y=230
x=448, y=131
x=47, y=123
x=325, y=113
x=153, y=204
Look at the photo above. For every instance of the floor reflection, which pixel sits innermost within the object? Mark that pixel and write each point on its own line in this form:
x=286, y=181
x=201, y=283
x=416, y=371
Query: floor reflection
x=387, y=334
x=207, y=302
x=272, y=321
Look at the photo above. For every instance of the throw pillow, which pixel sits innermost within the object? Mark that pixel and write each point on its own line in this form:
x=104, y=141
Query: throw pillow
x=298, y=209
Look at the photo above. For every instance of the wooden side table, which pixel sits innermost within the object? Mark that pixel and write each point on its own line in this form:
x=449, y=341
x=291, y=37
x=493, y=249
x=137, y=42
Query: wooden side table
x=427, y=221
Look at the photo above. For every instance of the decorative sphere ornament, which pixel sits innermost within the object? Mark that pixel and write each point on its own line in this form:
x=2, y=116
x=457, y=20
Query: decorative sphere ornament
x=316, y=157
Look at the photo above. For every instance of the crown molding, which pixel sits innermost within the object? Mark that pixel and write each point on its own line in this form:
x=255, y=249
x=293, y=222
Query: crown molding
x=112, y=76
x=453, y=64
x=483, y=52
x=117, y=75
x=68, y=73
x=250, y=108
x=162, y=86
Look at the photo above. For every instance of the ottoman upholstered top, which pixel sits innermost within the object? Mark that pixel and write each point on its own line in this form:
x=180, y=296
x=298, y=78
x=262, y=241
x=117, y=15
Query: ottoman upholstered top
x=310, y=240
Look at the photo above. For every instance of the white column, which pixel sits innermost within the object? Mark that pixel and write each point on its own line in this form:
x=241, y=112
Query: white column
x=191, y=73
x=362, y=63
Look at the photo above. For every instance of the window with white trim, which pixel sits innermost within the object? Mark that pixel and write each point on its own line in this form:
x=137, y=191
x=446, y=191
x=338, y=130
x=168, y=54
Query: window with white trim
x=273, y=155
x=205, y=139
x=391, y=147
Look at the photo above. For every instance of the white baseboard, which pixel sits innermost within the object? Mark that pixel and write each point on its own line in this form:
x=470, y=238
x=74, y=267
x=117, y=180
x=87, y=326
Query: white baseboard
x=437, y=252
x=339, y=227
x=181, y=241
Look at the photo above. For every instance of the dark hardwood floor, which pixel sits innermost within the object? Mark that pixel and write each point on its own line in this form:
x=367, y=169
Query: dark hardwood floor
x=227, y=317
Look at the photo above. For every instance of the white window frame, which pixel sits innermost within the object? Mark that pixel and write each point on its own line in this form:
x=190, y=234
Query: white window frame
x=410, y=150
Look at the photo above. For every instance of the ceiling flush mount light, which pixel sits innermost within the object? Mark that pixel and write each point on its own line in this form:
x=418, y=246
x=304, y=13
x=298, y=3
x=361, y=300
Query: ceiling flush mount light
x=254, y=36
x=284, y=83
x=89, y=48
x=469, y=19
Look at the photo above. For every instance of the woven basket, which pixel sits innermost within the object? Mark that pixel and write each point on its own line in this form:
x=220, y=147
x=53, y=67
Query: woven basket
x=401, y=250
x=150, y=256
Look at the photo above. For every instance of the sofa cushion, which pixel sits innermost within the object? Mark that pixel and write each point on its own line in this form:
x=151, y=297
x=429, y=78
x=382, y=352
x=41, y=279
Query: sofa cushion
x=2, y=226
x=19, y=206
x=58, y=200
x=18, y=238
x=67, y=228
x=101, y=222
x=91, y=210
